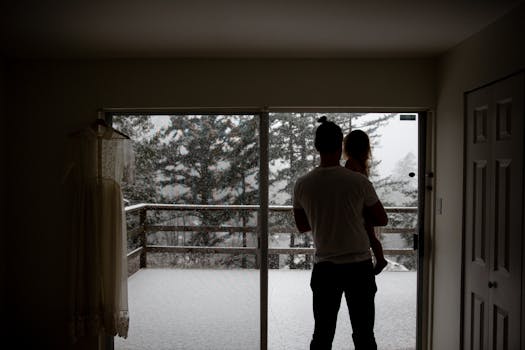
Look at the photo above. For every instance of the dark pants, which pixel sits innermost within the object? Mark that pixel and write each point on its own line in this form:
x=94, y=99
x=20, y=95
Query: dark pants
x=357, y=281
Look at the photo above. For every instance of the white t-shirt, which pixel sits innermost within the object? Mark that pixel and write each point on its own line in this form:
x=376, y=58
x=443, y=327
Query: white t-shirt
x=333, y=199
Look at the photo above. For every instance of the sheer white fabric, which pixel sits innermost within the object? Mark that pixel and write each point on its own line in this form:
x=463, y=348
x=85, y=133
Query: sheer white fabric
x=99, y=302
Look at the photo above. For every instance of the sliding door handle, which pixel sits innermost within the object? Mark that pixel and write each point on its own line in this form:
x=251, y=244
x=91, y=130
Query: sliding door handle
x=493, y=284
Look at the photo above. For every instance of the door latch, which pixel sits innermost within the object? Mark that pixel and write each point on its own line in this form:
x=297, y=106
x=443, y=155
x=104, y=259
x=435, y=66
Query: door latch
x=493, y=284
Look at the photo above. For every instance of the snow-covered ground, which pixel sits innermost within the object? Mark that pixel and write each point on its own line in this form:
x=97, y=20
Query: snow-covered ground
x=219, y=309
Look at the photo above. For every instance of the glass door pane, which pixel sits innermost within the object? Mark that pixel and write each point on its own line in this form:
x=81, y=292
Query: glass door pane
x=394, y=156
x=197, y=177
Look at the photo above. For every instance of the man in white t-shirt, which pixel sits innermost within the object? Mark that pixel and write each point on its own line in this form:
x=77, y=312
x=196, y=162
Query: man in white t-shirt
x=332, y=202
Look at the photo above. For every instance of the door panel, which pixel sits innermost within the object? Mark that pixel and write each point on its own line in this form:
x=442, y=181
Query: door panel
x=501, y=232
x=480, y=123
x=507, y=230
x=500, y=330
x=479, y=326
x=477, y=221
x=479, y=215
x=493, y=216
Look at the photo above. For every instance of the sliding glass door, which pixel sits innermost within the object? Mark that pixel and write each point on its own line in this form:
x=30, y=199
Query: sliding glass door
x=214, y=257
x=197, y=189
x=394, y=173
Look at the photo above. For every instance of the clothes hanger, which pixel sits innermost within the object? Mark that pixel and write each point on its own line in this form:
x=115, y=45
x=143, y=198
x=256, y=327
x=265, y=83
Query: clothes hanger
x=100, y=121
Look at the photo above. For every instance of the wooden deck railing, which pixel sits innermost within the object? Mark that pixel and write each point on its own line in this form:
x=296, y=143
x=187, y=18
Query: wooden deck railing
x=144, y=227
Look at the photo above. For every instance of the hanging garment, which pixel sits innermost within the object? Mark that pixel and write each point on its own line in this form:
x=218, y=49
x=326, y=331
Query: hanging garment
x=100, y=159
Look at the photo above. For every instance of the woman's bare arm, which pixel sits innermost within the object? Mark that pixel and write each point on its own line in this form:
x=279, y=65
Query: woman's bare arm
x=376, y=214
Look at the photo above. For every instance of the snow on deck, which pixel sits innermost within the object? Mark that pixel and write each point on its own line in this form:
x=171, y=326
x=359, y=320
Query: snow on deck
x=219, y=309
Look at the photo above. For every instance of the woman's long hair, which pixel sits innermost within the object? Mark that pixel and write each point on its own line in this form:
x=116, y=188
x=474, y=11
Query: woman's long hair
x=357, y=145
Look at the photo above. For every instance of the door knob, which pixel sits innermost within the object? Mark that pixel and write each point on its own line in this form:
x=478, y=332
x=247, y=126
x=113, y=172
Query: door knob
x=493, y=284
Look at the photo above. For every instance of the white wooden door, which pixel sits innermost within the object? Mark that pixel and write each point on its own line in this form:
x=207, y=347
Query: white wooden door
x=494, y=216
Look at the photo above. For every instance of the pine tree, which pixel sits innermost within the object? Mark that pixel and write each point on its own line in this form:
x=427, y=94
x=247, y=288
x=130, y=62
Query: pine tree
x=144, y=186
x=192, y=163
x=291, y=156
x=242, y=174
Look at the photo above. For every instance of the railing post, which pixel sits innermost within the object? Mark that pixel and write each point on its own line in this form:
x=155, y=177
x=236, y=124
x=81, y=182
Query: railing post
x=142, y=238
x=291, y=257
x=244, y=240
x=378, y=231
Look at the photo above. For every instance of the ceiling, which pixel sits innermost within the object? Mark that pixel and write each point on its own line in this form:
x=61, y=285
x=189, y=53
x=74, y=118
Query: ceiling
x=240, y=28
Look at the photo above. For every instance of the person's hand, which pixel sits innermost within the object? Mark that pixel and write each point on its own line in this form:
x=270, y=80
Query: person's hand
x=380, y=265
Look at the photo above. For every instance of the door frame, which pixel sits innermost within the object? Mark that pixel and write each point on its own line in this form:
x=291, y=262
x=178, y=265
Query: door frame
x=425, y=219
x=426, y=223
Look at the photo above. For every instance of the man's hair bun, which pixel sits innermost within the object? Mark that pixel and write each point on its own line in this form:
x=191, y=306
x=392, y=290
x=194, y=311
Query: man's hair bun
x=328, y=136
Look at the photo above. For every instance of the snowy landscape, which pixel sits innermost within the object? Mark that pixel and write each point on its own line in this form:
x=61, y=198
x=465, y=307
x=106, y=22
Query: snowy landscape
x=219, y=310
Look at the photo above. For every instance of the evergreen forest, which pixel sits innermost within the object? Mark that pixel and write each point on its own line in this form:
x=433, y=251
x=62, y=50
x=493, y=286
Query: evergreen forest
x=214, y=160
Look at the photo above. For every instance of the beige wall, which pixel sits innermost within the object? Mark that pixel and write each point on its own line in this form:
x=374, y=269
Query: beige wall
x=493, y=53
x=49, y=99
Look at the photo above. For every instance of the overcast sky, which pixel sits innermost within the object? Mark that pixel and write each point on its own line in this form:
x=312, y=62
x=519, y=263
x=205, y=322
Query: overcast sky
x=399, y=137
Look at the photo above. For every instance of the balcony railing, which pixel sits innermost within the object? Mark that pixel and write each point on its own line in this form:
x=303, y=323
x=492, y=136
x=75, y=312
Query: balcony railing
x=143, y=227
